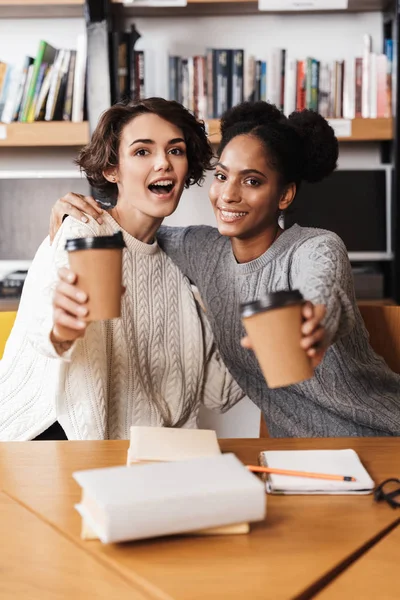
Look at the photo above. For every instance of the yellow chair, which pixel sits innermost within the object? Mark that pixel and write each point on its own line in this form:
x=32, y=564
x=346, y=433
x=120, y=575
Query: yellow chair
x=6, y=323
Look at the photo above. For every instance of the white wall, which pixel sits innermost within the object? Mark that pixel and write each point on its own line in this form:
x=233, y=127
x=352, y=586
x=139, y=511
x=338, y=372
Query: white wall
x=327, y=37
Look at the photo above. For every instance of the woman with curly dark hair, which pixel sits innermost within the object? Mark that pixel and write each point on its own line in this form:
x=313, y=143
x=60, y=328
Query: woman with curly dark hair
x=157, y=363
x=262, y=160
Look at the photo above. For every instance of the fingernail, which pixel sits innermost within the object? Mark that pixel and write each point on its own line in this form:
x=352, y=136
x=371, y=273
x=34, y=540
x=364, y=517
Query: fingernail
x=81, y=296
x=100, y=220
x=81, y=324
x=70, y=277
x=84, y=219
x=82, y=311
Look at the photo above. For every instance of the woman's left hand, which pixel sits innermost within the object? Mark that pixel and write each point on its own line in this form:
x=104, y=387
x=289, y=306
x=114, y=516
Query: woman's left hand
x=314, y=340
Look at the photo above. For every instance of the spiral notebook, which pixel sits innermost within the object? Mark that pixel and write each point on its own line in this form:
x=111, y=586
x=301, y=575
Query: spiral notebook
x=331, y=462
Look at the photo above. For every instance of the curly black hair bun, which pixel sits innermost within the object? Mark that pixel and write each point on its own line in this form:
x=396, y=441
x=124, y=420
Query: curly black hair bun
x=253, y=113
x=320, y=145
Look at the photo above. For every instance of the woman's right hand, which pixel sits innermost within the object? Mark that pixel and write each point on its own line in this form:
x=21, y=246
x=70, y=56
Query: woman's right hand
x=69, y=309
x=75, y=205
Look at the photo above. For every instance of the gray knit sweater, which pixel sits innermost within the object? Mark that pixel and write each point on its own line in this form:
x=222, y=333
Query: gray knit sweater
x=353, y=392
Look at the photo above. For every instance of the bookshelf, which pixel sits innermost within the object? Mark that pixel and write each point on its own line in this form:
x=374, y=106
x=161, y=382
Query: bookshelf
x=362, y=130
x=44, y=134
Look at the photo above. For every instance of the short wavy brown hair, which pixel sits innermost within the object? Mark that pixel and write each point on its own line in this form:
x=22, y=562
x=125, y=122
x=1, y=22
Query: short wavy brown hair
x=102, y=151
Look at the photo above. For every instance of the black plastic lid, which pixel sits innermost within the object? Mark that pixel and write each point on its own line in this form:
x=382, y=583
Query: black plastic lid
x=101, y=241
x=270, y=301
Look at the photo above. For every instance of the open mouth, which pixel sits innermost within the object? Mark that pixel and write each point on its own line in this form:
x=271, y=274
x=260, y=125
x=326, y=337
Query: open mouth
x=162, y=188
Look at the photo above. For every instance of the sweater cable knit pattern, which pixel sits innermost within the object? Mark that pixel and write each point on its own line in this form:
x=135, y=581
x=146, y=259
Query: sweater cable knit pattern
x=353, y=392
x=153, y=366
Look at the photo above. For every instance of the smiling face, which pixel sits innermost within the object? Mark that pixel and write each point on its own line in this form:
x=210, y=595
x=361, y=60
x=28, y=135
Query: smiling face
x=152, y=168
x=246, y=194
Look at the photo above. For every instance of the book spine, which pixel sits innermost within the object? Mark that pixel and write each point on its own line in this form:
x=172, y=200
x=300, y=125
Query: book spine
x=314, y=84
x=274, y=77
x=237, y=77
x=383, y=102
x=257, y=92
x=5, y=87
x=221, y=81
x=250, y=79
x=140, y=73
x=289, y=104
x=190, y=68
x=185, y=82
x=366, y=84
x=301, y=85
x=78, y=97
x=282, y=79
x=349, y=90
x=210, y=83
x=25, y=93
x=263, y=92
x=373, y=91
x=358, y=86
x=172, y=78
x=12, y=96
x=389, y=76
x=200, y=87
x=39, y=82
x=67, y=111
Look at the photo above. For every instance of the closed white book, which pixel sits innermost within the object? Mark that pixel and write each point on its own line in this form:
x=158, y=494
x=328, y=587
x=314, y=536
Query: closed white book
x=329, y=462
x=123, y=503
x=155, y=444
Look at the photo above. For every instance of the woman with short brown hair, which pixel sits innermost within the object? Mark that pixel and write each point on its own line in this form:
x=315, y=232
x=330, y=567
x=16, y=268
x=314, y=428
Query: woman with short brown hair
x=157, y=363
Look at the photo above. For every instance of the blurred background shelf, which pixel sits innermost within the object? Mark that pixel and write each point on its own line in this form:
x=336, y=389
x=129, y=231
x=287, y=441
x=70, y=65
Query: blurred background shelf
x=215, y=7
x=362, y=130
x=26, y=9
x=53, y=133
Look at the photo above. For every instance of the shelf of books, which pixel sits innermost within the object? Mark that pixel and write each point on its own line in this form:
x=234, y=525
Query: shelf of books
x=55, y=133
x=42, y=100
x=347, y=130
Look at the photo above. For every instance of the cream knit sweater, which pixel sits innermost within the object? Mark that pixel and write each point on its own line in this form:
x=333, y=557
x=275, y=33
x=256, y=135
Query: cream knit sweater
x=153, y=366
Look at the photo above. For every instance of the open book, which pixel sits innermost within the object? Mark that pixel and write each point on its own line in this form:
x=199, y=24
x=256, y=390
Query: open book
x=124, y=503
x=330, y=462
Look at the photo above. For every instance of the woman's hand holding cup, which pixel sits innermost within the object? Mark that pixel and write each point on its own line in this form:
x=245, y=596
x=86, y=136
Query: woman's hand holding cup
x=69, y=310
x=313, y=333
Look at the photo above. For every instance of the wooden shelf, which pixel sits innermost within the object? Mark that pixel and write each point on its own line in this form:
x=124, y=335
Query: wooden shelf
x=362, y=130
x=234, y=7
x=26, y=9
x=52, y=134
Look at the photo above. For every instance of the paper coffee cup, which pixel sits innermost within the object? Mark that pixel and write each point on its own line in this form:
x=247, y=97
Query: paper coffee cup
x=273, y=325
x=97, y=262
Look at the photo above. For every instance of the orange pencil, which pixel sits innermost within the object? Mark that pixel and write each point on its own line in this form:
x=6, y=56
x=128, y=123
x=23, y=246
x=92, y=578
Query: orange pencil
x=256, y=469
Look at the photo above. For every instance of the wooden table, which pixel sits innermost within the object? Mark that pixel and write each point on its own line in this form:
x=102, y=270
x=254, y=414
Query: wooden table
x=374, y=576
x=38, y=562
x=303, y=544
